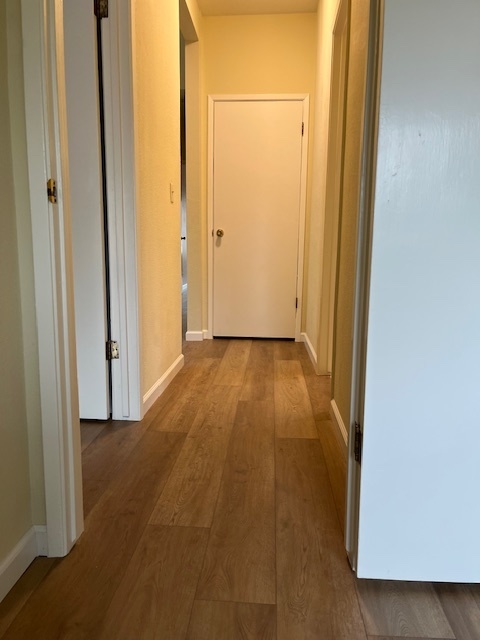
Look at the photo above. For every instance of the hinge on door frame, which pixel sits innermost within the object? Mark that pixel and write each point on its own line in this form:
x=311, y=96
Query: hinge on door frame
x=112, y=350
x=303, y=128
x=296, y=303
x=357, y=448
x=100, y=8
x=52, y=190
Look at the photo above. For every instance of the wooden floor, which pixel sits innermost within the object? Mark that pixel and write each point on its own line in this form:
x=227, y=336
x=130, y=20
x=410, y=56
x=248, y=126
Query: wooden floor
x=220, y=516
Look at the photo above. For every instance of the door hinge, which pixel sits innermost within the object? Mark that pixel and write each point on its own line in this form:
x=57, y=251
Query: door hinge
x=100, y=8
x=296, y=303
x=358, y=444
x=52, y=190
x=113, y=352
x=303, y=128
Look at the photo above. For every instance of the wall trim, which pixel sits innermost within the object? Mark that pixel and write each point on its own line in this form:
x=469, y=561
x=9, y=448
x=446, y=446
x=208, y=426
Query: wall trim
x=33, y=544
x=310, y=350
x=194, y=336
x=337, y=418
x=42, y=539
x=162, y=383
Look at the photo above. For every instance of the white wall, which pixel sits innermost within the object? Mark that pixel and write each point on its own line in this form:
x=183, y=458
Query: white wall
x=419, y=515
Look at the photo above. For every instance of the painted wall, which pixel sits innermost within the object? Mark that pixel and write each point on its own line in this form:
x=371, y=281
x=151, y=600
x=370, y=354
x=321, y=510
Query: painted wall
x=342, y=357
x=257, y=54
x=156, y=74
x=419, y=514
x=19, y=404
x=325, y=21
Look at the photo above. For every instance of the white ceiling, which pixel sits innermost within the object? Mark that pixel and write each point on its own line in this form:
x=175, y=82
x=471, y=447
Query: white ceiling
x=248, y=7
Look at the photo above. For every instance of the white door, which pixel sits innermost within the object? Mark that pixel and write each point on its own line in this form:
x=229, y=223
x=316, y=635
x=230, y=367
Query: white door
x=85, y=169
x=419, y=513
x=257, y=182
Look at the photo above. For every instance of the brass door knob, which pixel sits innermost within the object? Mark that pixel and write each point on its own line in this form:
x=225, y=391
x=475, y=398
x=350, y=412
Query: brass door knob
x=220, y=233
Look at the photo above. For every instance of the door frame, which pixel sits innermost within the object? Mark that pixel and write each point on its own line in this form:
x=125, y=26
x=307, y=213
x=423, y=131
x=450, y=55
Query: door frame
x=212, y=99
x=47, y=156
x=362, y=272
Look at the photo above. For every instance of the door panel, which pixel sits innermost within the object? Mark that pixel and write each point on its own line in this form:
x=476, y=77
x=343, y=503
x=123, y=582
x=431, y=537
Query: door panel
x=419, y=513
x=86, y=208
x=256, y=200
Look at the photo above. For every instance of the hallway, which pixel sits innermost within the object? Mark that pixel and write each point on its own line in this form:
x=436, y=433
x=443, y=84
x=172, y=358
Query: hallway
x=220, y=516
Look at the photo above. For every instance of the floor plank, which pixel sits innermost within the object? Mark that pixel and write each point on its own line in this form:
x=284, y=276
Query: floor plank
x=205, y=349
x=232, y=621
x=240, y=559
x=412, y=609
x=336, y=461
x=156, y=595
x=232, y=368
x=461, y=609
x=72, y=602
x=179, y=408
x=293, y=410
x=258, y=381
x=190, y=495
x=14, y=601
x=89, y=430
x=103, y=463
x=315, y=587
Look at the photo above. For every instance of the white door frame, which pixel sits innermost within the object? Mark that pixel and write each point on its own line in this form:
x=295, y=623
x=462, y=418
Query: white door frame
x=47, y=149
x=362, y=275
x=212, y=99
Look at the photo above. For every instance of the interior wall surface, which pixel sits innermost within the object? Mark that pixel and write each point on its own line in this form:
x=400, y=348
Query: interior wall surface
x=346, y=263
x=326, y=14
x=156, y=77
x=262, y=54
x=15, y=498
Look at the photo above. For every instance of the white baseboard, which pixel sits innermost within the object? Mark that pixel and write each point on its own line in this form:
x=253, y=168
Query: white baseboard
x=42, y=540
x=338, y=420
x=207, y=334
x=310, y=350
x=33, y=544
x=161, y=384
x=194, y=336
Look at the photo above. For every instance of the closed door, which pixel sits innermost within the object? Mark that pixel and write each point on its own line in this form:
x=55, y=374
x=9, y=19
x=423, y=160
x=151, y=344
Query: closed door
x=257, y=180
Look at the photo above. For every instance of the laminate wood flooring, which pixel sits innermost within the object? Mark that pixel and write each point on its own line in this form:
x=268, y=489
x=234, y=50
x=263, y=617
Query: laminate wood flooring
x=220, y=516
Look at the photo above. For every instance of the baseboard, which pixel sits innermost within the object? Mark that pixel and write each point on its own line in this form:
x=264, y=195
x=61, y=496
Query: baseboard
x=339, y=422
x=33, y=544
x=42, y=540
x=194, y=336
x=310, y=350
x=207, y=334
x=162, y=383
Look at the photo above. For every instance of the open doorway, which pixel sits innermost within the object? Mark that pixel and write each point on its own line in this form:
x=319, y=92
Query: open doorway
x=183, y=154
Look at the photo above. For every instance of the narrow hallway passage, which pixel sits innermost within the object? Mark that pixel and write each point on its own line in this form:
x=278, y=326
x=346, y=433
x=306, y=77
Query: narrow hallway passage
x=220, y=516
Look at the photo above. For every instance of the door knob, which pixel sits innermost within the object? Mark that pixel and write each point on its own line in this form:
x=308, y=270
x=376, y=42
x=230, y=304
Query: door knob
x=220, y=233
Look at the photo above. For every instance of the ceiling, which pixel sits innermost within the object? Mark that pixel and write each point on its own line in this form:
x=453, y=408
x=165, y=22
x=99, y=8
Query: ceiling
x=248, y=7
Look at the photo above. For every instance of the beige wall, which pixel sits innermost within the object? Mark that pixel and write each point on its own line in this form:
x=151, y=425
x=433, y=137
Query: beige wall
x=15, y=498
x=342, y=365
x=156, y=74
x=325, y=20
x=241, y=55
